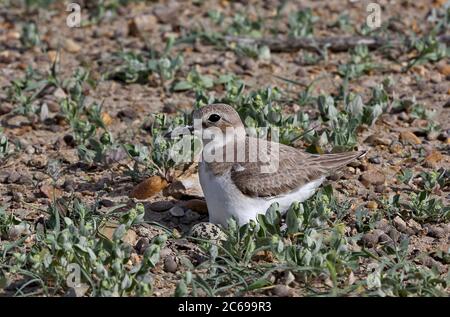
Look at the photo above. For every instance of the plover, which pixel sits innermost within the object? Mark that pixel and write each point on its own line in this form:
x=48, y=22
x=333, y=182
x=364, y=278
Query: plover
x=251, y=178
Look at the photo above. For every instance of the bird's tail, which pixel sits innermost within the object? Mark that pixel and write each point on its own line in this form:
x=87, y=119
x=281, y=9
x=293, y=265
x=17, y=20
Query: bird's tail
x=334, y=161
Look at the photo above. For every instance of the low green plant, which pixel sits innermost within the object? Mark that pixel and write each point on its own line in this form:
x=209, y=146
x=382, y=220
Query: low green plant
x=4, y=145
x=194, y=81
x=71, y=243
x=301, y=23
x=136, y=68
x=24, y=92
x=422, y=207
x=428, y=49
x=30, y=35
x=163, y=154
x=397, y=275
x=244, y=26
x=360, y=63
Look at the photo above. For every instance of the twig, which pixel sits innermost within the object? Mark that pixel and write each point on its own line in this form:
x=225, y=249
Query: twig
x=336, y=44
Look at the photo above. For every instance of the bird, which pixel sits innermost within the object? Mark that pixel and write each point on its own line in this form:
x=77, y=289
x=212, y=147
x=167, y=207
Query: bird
x=242, y=176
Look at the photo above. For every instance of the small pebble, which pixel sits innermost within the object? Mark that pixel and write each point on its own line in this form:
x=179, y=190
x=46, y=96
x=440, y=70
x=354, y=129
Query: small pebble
x=384, y=238
x=400, y=224
x=161, y=205
x=106, y=203
x=371, y=238
x=372, y=177
x=69, y=185
x=142, y=245
x=13, y=177
x=4, y=176
x=394, y=234
x=436, y=232
x=372, y=205
x=176, y=211
x=282, y=291
x=375, y=160
x=170, y=265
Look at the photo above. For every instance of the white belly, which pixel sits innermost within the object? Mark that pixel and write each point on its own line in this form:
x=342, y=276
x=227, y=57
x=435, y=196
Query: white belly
x=225, y=200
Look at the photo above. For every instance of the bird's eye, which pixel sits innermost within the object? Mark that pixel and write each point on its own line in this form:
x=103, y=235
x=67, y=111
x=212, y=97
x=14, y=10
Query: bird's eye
x=214, y=118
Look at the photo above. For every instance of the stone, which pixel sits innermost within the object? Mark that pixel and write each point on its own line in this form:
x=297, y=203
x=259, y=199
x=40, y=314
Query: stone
x=407, y=137
x=281, y=290
x=433, y=159
x=69, y=185
x=382, y=224
x=77, y=291
x=127, y=114
x=196, y=205
x=435, y=231
x=13, y=177
x=16, y=231
x=372, y=205
x=415, y=226
x=25, y=180
x=50, y=191
x=396, y=148
x=139, y=25
x=17, y=121
x=59, y=93
x=375, y=160
x=170, y=265
x=400, y=224
x=190, y=217
x=187, y=186
x=167, y=13
x=71, y=46
x=177, y=211
x=444, y=69
x=4, y=176
x=394, y=234
x=370, y=239
x=148, y=187
x=428, y=261
x=372, y=177
x=106, y=203
x=142, y=245
x=52, y=56
x=160, y=206
x=380, y=188
x=385, y=239
x=108, y=229
x=376, y=140
x=432, y=135
x=5, y=108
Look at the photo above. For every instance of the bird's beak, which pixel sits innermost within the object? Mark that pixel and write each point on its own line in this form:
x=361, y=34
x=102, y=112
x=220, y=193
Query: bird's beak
x=179, y=131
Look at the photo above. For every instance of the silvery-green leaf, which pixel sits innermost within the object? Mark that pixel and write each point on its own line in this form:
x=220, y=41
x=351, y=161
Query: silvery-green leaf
x=119, y=232
x=264, y=53
x=373, y=280
x=355, y=107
